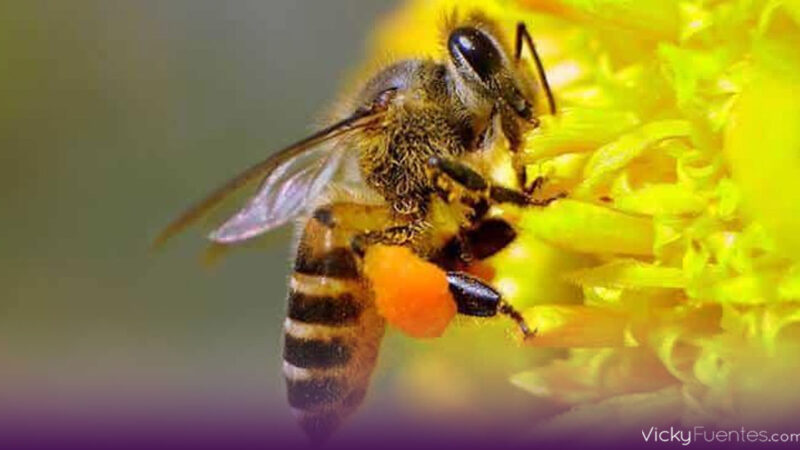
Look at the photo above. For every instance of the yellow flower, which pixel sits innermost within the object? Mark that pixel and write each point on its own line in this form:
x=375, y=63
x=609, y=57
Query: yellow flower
x=672, y=273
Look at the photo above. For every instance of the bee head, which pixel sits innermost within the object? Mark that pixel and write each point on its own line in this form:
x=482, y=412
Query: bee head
x=483, y=71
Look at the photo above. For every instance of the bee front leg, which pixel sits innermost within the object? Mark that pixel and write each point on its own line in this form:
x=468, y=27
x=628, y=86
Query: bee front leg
x=475, y=182
x=475, y=298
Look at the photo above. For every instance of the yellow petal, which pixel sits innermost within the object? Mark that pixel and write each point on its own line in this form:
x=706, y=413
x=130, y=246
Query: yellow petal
x=616, y=155
x=527, y=273
x=575, y=326
x=585, y=227
x=762, y=144
x=789, y=288
x=576, y=130
x=653, y=18
x=627, y=274
x=661, y=199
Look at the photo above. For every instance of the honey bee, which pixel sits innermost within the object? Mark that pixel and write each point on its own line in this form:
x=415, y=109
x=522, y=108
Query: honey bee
x=398, y=167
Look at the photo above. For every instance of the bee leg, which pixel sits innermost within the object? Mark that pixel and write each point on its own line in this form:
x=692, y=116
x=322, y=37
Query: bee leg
x=473, y=181
x=513, y=133
x=537, y=184
x=475, y=298
x=524, y=37
x=395, y=235
x=466, y=253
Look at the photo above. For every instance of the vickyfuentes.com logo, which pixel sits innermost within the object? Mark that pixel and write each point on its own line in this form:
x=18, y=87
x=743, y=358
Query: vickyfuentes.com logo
x=702, y=434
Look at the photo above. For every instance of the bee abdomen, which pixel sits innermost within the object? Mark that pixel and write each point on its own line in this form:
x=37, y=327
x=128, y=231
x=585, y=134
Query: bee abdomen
x=310, y=394
x=340, y=310
x=311, y=353
x=337, y=263
x=327, y=367
x=332, y=331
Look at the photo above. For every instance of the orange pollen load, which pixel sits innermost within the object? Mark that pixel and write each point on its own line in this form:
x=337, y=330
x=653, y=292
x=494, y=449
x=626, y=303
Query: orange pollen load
x=410, y=293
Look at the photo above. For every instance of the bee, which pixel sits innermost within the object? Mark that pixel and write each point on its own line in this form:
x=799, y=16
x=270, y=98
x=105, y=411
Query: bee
x=400, y=166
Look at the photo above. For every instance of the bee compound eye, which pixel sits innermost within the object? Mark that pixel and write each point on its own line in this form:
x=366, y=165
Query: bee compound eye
x=479, y=51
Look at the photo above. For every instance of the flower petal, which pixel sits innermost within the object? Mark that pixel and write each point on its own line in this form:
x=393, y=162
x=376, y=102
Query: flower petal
x=585, y=227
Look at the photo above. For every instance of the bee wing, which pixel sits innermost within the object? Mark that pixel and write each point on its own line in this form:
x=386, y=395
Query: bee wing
x=291, y=176
x=283, y=195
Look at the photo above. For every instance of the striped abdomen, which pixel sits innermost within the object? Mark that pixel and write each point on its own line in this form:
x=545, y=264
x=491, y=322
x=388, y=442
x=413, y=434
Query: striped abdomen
x=332, y=329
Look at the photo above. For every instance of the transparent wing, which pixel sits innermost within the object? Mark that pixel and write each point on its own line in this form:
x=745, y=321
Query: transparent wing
x=285, y=193
x=291, y=176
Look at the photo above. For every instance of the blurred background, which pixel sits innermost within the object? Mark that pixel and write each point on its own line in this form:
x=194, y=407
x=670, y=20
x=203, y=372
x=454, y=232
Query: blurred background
x=114, y=116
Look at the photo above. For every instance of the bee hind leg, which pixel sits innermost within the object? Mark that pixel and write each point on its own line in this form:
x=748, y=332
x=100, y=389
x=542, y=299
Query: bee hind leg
x=476, y=298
